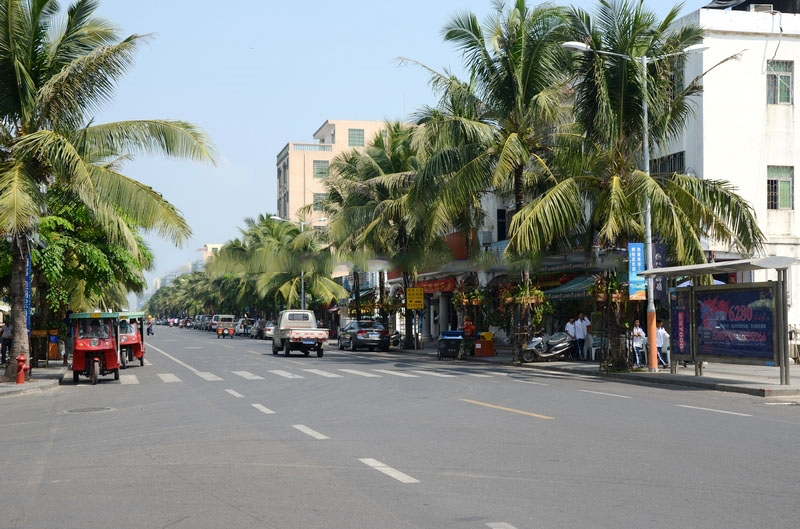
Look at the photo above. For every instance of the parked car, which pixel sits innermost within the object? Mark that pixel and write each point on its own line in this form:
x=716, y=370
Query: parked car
x=243, y=326
x=269, y=330
x=364, y=334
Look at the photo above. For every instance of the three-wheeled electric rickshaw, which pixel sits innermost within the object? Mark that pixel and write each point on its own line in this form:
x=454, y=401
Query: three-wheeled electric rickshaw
x=95, y=351
x=131, y=328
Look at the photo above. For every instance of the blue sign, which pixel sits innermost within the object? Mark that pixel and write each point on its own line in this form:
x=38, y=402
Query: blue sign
x=736, y=323
x=637, y=286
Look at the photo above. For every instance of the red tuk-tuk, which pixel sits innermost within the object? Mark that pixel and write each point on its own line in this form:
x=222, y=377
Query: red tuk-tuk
x=131, y=328
x=95, y=351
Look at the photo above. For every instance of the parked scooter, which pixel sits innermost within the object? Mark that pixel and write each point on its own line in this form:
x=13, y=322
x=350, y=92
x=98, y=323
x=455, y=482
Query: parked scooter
x=396, y=338
x=542, y=347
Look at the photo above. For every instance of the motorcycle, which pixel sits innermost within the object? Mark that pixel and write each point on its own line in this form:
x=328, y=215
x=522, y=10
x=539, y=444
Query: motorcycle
x=396, y=338
x=542, y=347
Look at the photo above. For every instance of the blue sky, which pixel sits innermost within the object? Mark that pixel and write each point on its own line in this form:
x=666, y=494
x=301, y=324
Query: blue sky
x=256, y=74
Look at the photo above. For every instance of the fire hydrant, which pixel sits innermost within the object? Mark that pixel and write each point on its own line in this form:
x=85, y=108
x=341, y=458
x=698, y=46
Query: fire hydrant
x=21, y=369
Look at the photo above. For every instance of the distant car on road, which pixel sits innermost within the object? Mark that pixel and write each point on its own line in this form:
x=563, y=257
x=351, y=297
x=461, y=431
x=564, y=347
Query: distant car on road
x=269, y=330
x=364, y=334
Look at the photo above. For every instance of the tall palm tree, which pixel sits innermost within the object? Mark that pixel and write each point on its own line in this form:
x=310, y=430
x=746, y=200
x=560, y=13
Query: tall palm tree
x=52, y=78
x=373, y=211
x=603, y=195
x=518, y=78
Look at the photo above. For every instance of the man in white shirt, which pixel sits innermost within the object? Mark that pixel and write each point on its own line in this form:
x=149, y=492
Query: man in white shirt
x=569, y=329
x=662, y=336
x=638, y=342
x=583, y=327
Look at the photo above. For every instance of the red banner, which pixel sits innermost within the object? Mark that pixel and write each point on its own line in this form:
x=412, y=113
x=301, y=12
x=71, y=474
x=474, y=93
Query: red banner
x=437, y=285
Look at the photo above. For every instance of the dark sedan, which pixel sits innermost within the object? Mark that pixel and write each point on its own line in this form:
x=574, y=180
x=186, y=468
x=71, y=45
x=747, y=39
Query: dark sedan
x=364, y=334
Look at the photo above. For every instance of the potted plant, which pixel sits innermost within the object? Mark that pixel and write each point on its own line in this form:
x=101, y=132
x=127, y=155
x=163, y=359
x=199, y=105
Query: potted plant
x=475, y=295
x=528, y=294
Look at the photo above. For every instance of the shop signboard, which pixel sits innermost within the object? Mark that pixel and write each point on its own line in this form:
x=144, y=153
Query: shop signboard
x=736, y=322
x=415, y=298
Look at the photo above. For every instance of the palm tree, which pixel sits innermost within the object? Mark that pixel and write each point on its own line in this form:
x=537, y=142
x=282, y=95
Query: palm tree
x=607, y=182
x=600, y=195
x=518, y=79
x=372, y=211
x=51, y=80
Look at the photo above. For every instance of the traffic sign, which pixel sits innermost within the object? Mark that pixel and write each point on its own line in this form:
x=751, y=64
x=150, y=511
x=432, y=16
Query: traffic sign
x=415, y=298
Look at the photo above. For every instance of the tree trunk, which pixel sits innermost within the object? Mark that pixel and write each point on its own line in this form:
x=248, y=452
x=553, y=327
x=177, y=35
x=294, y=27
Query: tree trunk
x=409, y=343
x=382, y=299
x=357, y=290
x=19, y=334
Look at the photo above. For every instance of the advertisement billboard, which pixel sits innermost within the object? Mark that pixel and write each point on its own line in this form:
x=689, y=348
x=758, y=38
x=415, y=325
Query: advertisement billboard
x=736, y=322
x=680, y=337
x=637, y=286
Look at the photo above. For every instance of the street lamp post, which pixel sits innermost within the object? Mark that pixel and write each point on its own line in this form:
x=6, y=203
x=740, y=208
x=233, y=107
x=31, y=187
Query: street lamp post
x=302, y=269
x=652, y=356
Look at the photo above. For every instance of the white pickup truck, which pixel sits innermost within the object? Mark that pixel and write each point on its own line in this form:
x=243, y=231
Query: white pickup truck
x=296, y=330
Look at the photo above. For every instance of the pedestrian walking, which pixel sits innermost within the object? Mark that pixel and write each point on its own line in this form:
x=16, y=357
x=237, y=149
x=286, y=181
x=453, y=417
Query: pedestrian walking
x=569, y=330
x=583, y=327
x=638, y=342
x=661, y=340
x=5, y=348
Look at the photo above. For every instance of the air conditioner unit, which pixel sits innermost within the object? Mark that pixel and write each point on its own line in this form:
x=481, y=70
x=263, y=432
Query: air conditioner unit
x=760, y=8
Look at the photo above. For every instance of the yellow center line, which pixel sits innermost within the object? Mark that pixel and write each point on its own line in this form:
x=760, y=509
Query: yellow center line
x=512, y=410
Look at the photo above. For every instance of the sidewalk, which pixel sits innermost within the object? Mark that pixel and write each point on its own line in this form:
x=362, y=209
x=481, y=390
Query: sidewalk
x=42, y=379
x=761, y=381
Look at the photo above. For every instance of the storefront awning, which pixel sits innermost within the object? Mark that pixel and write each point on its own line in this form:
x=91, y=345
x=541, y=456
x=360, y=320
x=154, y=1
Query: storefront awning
x=578, y=288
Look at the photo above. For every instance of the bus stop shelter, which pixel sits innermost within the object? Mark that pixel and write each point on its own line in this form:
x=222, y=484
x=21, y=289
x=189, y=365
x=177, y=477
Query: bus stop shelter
x=778, y=306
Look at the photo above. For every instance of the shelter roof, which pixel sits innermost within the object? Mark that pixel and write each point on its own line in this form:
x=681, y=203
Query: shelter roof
x=774, y=262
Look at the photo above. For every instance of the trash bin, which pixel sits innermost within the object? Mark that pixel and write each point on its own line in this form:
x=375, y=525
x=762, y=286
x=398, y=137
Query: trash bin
x=450, y=344
x=484, y=348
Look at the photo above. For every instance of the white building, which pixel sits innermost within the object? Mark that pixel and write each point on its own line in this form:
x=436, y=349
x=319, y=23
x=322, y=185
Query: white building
x=743, y=129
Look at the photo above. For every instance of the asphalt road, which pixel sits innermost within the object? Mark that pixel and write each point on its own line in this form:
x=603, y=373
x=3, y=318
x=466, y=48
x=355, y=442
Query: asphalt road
x=220, y=433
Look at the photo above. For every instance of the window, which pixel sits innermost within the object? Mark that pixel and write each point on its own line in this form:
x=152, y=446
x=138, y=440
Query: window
x=321, y=168
x=319, y=198
x=780, y=82
x=669, y=165
x=780, y=187
x=501, y=225
x=355, y=137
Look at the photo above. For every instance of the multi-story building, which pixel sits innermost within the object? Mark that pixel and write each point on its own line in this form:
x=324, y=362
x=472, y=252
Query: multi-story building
x=303, y=167
x=743, y=127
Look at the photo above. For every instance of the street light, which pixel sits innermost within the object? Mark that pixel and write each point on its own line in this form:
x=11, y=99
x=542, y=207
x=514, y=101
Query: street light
x=652, y=356
x=302, y=270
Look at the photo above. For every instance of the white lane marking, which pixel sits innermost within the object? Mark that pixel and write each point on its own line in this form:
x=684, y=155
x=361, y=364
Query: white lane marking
x=285, y=374
x=500, y=525
x=396, y=373
x=532, y=382
x=389, y=471
x=247, y=375
x=606, y=394
x=434, y=374
x=715, y=411
x=201, y=374
x=254, y=352
x=168, y=377
x=322, y=373
x=461, y=373
x=193, y=347
x=263, y=409
x=147, y=362
x=128, y=379
x=308, y=431
x=234, y=393
x=360, y=373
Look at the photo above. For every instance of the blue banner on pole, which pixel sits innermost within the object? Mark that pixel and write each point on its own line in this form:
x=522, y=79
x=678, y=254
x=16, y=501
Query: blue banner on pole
x=28, y=293
x=637, y=286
